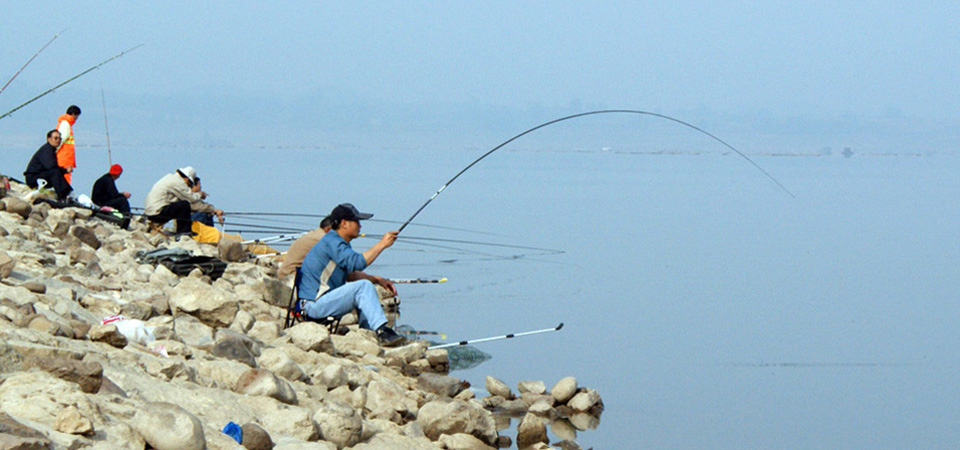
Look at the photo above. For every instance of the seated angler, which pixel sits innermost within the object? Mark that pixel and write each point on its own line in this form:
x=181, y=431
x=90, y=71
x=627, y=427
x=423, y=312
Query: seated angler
x=105, y=191
x=332, y=282
x=173, y=197
x=43, y=166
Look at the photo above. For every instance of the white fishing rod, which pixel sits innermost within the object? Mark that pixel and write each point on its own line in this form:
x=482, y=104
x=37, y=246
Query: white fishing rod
x=506, y=336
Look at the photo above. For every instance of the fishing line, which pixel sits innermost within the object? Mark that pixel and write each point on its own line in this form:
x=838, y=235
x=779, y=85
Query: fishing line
x=488, y=244
x=606, y=111
x=320, y=216
x=69, y=80
x=31, y=59
x=103, y=101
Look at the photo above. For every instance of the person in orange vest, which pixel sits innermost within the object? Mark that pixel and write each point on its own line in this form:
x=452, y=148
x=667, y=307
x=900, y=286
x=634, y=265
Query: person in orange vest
x=66, y=156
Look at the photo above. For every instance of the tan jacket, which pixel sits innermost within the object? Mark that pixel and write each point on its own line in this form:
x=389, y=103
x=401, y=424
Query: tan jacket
x=170, y=189
x=298, y=250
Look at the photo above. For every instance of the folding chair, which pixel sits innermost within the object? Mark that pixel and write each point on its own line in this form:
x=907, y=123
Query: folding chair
x=295, y=313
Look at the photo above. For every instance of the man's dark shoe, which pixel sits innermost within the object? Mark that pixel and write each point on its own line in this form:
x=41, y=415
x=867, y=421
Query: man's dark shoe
x=389, y=338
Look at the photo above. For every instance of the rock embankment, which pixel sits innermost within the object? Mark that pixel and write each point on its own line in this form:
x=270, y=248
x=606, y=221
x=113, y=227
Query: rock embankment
x=99, y=351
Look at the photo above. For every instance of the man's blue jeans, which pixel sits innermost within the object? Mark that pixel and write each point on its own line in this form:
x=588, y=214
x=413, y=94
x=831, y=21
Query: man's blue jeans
x=360, y=295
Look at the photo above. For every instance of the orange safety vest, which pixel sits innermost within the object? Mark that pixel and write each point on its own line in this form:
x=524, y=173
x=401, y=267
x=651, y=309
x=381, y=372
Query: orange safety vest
x=66, y=155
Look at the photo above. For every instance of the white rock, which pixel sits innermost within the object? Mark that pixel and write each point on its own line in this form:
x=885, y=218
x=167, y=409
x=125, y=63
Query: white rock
x=264, y=383
x=214, y=307
x=564, y=390
x=584, y=400
x=339, y=424
x=532, y=387
x=279, y=362
x=453, y=416
x=166, y=426
x=497, y=387
x=388, y=400
x=311, y=336
x=461, y=441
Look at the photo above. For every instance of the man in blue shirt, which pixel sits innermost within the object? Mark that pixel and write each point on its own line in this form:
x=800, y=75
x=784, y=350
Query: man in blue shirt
x=332, y=281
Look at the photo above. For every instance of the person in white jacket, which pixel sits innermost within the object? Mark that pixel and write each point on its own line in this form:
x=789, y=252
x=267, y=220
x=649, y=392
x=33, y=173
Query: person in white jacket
x=174, y=197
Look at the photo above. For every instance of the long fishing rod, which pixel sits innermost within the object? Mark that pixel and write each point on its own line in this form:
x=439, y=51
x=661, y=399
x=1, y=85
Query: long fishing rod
x=506, y=336
x=31, y=59
x=574, y=116
x=69, y=80
x=103, y=101
x=368, y=220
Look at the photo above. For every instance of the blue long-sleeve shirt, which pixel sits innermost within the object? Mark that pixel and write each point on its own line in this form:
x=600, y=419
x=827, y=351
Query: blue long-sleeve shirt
x=327, y=265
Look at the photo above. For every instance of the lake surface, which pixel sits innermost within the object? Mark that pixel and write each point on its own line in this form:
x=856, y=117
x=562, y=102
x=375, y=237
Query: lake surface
x=709, y=308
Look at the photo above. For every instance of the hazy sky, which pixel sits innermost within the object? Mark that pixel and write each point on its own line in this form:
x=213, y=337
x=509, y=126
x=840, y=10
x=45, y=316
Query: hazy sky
x=322, y=61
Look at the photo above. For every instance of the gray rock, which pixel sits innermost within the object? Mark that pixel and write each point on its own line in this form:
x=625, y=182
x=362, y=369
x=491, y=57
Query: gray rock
x=17, y=206
x=87, y=374
x=34, y=286
x=255, y=437
x=6, y=264
x=443, y=385
x=339, y=424
x=166, y=426
x=191, y=331
x=564, y=390
x=230, y=249
x=234, y=349
x=17, y=436
x=85, y=235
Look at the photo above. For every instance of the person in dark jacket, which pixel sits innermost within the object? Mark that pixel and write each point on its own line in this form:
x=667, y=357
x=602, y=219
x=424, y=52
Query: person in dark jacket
x=43, y=166
x=105, y=191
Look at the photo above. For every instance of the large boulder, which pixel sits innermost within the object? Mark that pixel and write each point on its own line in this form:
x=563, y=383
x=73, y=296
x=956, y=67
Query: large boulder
x=265, y=383
x=454, y=416
x=388, y=400
x=166, y=426
x=213, y=306
x=339, y=424
x=279, y=362
x=311, y=336
x=89, y=375
x=531, y=430
x=498, y=388
x=564, y=390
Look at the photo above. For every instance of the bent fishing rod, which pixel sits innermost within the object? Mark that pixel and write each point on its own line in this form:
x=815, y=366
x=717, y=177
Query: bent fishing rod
x=590, y=113
x=31, y=59
x=69, y=80
x=494, y=338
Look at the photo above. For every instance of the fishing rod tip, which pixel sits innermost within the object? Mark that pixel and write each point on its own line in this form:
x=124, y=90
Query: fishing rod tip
x=558, y=327
x=442, y=280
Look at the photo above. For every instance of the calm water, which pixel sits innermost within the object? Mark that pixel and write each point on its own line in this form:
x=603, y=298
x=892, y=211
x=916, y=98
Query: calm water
x=709, y=308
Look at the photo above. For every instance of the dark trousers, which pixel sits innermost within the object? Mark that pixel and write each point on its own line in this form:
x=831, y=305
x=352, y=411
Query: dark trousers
x=120, y=204
x=179, y=211
x=54, y=179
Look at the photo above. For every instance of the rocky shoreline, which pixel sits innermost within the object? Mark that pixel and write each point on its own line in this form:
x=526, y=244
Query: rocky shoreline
x=100, y=351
